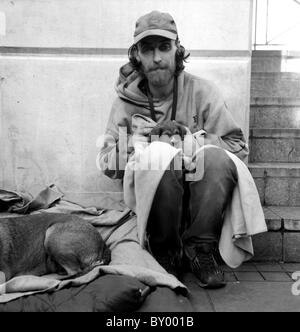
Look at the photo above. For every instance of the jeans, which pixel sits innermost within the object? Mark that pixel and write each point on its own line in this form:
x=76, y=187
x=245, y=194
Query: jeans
x=186, y=214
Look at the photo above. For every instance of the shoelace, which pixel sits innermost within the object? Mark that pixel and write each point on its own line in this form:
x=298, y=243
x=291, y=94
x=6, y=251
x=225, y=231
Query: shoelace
x=206, y=262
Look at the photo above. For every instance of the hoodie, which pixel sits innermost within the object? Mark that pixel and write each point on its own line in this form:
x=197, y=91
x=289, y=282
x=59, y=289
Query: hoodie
x=200, y=106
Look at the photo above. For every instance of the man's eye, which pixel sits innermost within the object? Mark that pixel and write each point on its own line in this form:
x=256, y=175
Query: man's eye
x=145, y=49
x=165, y=47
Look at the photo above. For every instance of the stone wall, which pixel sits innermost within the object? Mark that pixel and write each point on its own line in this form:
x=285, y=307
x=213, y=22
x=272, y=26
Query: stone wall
x=58, y=64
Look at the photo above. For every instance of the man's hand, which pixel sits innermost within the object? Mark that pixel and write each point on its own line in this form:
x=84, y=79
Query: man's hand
x=168, y=130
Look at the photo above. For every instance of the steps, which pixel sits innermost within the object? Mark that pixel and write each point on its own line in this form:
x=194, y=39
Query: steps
x=274, y=159
x=282, y=242
x=281, y=84
x=275, y=113
x=278, y=184
x=274, y=61
x=275, y=145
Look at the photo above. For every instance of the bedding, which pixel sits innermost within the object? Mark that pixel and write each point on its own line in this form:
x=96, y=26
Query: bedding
x=121, y=286
x=108, y=293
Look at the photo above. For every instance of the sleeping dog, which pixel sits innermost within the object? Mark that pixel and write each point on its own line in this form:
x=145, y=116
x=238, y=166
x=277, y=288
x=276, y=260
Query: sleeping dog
x=47, y=243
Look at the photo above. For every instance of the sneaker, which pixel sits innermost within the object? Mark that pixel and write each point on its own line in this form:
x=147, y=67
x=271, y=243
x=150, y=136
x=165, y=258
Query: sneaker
x=206, y=269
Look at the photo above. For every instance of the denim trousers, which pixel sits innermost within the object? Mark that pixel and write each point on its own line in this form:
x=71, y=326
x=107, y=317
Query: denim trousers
x=185, y=214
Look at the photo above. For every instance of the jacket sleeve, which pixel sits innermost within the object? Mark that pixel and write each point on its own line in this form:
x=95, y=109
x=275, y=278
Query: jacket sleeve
x=221, y=129
x=113, y=145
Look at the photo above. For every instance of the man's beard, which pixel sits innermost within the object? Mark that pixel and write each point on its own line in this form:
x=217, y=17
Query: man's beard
x=160, y=77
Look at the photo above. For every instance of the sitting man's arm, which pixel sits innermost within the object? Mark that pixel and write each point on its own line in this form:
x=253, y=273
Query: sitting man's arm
x=220, y=127
x=114, y=146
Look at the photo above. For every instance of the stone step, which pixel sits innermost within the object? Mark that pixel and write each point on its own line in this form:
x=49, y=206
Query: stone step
x=274, y=101
x=283, y=218
x=268, y=61
x=273, y=61
x=271, y=116
x=275, y=133
x=275, y=145
x=282, y=242
x=278, y=84
x=277, y=183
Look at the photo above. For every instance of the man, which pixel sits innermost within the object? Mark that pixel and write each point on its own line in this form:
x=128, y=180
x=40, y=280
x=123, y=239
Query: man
x=186, y=218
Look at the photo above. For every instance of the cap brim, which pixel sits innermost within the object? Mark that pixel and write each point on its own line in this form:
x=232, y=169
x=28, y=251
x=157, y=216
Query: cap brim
x=155, y=32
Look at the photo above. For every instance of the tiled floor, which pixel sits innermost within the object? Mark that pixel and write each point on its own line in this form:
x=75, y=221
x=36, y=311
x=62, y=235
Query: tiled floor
x=252, y=287
x=264, y=272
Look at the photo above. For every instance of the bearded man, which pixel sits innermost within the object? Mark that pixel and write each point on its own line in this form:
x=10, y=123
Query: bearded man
x=186, y=217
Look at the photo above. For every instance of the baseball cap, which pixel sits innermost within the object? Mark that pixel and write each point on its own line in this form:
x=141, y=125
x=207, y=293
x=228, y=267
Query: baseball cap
x=155, y=24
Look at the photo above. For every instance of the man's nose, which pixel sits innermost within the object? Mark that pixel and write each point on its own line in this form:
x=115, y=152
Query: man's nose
x=156, y=56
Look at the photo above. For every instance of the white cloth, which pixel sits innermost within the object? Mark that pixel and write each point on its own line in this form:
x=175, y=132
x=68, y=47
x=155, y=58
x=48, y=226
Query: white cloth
x=244, y=216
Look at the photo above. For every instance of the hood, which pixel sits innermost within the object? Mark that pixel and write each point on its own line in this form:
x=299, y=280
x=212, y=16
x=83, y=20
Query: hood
x=127, y=86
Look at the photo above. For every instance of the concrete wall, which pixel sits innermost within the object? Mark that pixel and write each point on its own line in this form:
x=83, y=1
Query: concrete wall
x=58, y=64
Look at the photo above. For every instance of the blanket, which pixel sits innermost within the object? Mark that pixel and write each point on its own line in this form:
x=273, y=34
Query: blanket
x=109, y=293
x=118, y=229
x=244, y=216
x=124, y=231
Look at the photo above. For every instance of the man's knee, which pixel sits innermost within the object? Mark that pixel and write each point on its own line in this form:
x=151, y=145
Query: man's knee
x=215, y=162
x=216, y=157
x=218, y=162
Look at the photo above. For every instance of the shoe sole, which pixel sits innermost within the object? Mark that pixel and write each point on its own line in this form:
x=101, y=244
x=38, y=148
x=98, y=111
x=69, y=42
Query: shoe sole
x=207, y=286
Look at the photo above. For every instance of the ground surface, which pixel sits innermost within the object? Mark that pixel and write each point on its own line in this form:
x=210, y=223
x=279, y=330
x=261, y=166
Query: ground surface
x=262, y=287
x=253, y=287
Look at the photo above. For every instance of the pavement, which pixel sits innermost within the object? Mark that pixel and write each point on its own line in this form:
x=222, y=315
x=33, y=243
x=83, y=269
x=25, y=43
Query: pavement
x=254, y=287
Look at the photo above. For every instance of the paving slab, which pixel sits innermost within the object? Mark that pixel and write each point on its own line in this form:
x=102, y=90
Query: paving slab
x=249, y=276
x=271, y=267
x=246, y=267
x=276, y=276
x=255, y=297
x=159, y=301
x=230, y=277
x=198, y=297
x=289, y=267
x=226, y=268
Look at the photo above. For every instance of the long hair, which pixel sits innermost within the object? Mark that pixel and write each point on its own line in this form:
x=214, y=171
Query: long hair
x=180, y=57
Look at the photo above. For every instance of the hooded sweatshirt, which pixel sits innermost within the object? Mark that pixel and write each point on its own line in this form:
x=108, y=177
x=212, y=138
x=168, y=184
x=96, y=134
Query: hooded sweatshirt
x=200, y=106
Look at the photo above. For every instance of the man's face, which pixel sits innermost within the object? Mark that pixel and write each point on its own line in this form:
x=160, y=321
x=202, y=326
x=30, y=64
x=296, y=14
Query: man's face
x=157, y=57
